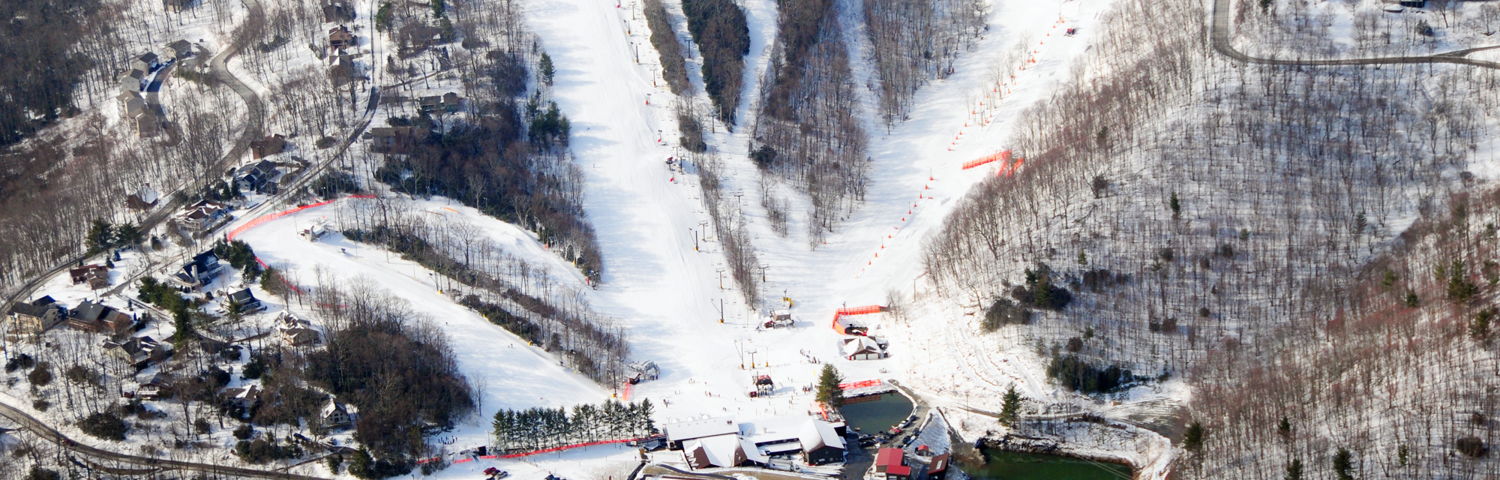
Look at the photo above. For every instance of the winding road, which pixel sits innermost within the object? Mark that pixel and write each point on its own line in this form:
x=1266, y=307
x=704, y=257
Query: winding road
x=1221, y=43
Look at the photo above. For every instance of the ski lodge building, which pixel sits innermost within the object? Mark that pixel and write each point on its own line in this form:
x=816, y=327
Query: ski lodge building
x=723, y=442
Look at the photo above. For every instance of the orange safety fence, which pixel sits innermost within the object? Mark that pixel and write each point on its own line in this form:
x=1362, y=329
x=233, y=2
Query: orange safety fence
x=987, y=159
x=843, y=312
x=258, y=221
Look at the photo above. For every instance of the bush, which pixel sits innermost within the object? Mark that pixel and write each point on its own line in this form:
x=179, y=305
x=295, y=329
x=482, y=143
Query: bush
x=19, y=362
x=104, y=425
x=1005, y=312
x=1040, y=291
x=244, y=432
x=261, y=451
x=1079, y=375
x=1471, y=447
x=39, y=473
x=41, y=405
x=41, y=375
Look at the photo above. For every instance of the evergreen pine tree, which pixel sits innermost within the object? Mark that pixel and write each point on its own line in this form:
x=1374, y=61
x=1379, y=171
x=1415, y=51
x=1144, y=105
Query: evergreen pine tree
x=1010, y=409
x=101, y=236
x=545, y=65
x=1175, y=205
x=1294, y=470
x=1343, y=464
x=1192, y=440
x=828, y=387
x=1284, y=428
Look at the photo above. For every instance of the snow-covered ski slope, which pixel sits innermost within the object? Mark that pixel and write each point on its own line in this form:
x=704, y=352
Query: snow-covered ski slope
x=666, y=294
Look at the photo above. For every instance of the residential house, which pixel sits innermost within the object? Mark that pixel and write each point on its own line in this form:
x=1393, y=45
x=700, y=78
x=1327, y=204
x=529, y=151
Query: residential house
x=99, y=318
x=419, y=36
x=201, y=271
x=343, y=72
x=35, y=317
x=395, y=139
x=179, y=49
x=297, y=332
x=131, y=79
x=131, y=103
x=340, y=38
x=240, y=401
x=445, y=103
x=335, y=415
x=890, y=464
x=246, y=302
x=259, y=177
x=268, y=145
x=145, y=62
x=338, y=11
x=143, y=199
x=139, y=352
x=205, y=215
x=153, y=389
x=96, y=276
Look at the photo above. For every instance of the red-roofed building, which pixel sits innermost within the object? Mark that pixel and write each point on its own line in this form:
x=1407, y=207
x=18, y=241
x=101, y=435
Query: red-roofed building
x=938, y=469
x=890, y=464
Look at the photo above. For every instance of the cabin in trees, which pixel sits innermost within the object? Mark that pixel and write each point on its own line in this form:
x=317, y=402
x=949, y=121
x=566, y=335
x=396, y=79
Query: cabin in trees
x=145, y=62
x=178, y=49
x=335, y=415
x=890, y=464
x=297, y=332
x=35, y=317
x=394, y=139
x=99, y=318
x=445, y=103
x=144, y=198
x=96, y=276
x=342, y=72
x=200, y=272
x=131, y=103
x=340, y=38
x=130, y=80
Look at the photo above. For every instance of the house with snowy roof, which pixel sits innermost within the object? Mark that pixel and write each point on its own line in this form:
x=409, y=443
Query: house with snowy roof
x=862, y=348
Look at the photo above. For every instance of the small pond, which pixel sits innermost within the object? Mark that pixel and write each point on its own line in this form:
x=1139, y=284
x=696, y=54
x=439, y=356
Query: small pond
x=1001, y=465
x=875, y=413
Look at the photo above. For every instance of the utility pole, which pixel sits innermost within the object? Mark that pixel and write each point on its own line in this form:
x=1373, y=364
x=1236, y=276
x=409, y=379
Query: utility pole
x=720, y=306
x=721, y=278
x=763, y=268
x=695, y=238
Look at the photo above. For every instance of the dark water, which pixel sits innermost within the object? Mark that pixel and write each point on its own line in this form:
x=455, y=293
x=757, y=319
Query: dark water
x=1031, y=466
x=876, y=413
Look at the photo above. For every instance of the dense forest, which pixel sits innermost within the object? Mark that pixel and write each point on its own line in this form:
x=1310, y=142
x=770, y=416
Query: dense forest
x=668, y=49
x=807, y=131
x=41, y=32
x=394, y=366
x=719, y=29
x=1217, y=222
x=916, y=41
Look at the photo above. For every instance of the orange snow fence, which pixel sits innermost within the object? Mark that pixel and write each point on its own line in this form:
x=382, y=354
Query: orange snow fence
x=1001, y=156
x=843, y=312
x=534, y=452
x=261, y=220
